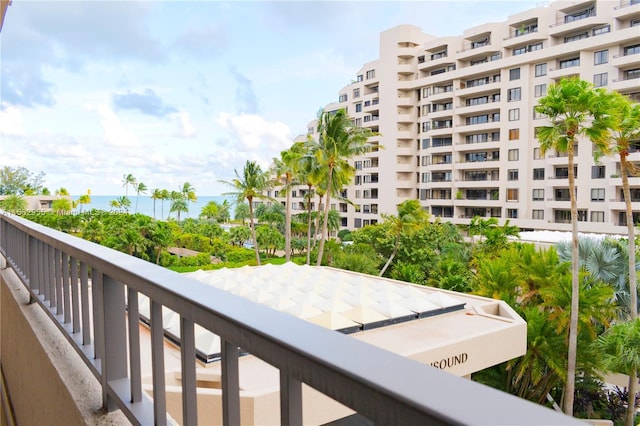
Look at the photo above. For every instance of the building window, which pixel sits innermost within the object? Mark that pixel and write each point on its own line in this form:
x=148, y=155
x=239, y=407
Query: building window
x=597, y=172
x=597, y=194
x=632, y=50
x=359, y=107
x=634, y=23
x=541, y=69
x=538, y=174
x=568, y=63
x=512, y=194
x=513, y=155
x=537, y=115
x=600, y=80
x=537, y=214
x=514, y=114
x=426, y=143
x=576, y=37
x=512, y=174
x=357, y=223
x=600, y=57
x=514, y=134
x=371, y=74
x=514, y=74
x=514, y=94
x=540, y=90
x=597, y=216
x=512, y=213
x=601, y=30
x=358, y=122
x=356, y=93
x=537, y=154
x=538, y=195
x=343, y=98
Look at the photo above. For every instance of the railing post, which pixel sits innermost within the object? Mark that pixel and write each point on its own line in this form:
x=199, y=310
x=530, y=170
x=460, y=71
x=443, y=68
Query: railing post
x=187, y=357
x=157, y=365
x=114, y=361
x=290, y=399
x=230, y=384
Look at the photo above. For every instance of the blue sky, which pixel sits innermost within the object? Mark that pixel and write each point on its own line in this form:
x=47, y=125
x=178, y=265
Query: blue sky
x=185, y=91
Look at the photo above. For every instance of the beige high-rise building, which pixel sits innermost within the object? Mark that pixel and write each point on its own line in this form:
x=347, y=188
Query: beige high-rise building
x=457, y=122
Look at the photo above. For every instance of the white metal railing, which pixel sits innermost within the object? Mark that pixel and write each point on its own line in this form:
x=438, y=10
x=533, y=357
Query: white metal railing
x=85, y=288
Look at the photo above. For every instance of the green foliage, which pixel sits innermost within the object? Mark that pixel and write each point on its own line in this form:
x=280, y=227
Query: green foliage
x=14, y=203
x=409, y=272
x=239, y=254
x=20, y=181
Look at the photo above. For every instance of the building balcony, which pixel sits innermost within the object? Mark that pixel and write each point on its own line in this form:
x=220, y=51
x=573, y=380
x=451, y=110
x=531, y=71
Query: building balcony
x=518, y=38
x=478, y=52
x=405, y=118
x=88, y=299
x=626, y=84
x=406, y=69
x=490, y=106
x=406, y=52
x=439, y=62
x=467, y=91
x=625, y=61
x=559, y=73
x=562, y=28
x=473, y=165
x=406, y=100
x=442, y=113
x=627, y=9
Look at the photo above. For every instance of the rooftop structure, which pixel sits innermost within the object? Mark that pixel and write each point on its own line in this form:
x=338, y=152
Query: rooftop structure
x=451, y=331
x=456, y=119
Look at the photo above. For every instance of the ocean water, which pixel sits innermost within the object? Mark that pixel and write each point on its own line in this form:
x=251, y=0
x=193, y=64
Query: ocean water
x=145, y=205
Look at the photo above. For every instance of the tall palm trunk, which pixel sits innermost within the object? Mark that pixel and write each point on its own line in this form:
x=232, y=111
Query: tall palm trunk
x=287, y=226
x=633, y=285
x=253, y=230
x=325, y=223
x=575, y=289
x=309, y=226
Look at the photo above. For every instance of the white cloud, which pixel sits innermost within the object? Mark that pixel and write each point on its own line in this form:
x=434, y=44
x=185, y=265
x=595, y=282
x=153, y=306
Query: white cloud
x=114, y=134
x=254, y=133
x=183, y=122
x=10, y=121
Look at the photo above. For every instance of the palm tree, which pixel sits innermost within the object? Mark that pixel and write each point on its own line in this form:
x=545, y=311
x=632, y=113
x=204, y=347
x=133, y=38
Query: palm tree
x=156, y=194
x=189, y=194
x=140, y=188
x=250, y=186
x=626, y=127
x=310, y=174
x=14, y=203
x=84, y=199
x=164, y=195
x=126, y=181
x=62, y=191
x=410, y=216
x=575, y=110
x=339, y=141
x=241, y=212
x=620, y=348
x=286, y=168
x=121, y=203
x=178, y=203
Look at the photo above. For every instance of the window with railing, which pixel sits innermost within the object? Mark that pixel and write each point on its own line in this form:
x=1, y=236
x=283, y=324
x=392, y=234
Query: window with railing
x=568, y=63
x=526, y=29
x=583, y=14
x=438, y=55
x=438, y=142
x=529, y=48
x=631, y=50
x=632, y=74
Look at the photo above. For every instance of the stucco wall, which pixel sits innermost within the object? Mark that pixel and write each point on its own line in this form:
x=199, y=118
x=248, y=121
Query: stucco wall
x=46, y=381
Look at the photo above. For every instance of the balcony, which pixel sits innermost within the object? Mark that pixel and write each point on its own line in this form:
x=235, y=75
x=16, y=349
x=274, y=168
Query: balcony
x=625, y=61
x=523, y=35
x=627, y=9
x=579, y=20
x=91, y=295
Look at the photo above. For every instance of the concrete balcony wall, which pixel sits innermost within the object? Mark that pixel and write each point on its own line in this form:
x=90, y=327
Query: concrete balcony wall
x=46, y=381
